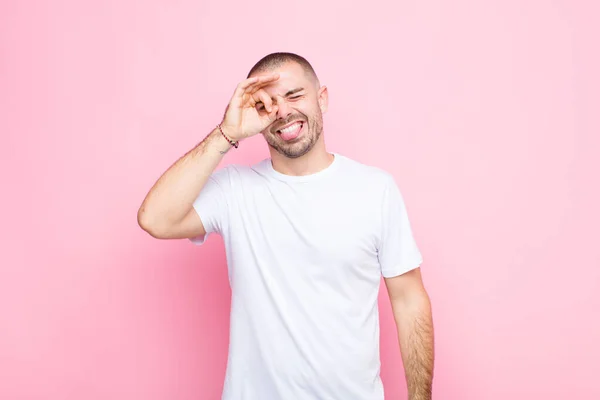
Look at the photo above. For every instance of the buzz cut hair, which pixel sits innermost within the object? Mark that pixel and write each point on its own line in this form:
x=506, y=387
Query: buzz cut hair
x=274, y=60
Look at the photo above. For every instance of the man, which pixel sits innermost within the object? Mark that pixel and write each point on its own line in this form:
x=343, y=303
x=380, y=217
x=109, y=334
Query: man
x=308, y=235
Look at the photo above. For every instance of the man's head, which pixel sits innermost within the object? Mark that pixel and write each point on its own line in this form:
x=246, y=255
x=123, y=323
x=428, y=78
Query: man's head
x=301, y=102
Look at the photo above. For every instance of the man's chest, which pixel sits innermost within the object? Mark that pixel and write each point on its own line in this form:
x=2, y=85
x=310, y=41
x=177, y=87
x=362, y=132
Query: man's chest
x=330, y=225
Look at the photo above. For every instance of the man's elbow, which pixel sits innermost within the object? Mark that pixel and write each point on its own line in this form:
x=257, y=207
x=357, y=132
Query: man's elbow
x=416, y=300
x=149, y=224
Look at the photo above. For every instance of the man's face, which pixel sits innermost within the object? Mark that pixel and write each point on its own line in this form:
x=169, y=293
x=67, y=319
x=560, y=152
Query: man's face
x=301, y=104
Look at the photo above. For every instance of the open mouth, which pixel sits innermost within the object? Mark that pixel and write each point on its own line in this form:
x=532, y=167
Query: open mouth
x=291, y=131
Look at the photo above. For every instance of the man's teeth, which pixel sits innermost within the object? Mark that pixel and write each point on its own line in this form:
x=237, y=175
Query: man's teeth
x=291, y=128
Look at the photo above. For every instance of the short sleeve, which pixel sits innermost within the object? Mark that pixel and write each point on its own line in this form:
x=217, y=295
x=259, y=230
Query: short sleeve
x=211, y=205
x=397, y=250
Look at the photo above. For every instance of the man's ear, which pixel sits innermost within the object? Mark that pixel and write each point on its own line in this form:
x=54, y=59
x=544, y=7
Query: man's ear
x=323, y=99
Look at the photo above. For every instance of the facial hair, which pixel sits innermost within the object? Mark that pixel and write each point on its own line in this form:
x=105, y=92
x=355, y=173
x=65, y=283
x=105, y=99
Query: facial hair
x=313, y=129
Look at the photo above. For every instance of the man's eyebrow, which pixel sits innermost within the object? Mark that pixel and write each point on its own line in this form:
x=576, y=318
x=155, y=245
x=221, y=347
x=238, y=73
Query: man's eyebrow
x=291, y=92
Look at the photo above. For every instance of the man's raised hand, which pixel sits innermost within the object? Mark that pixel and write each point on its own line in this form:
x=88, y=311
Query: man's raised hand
x=242, y=117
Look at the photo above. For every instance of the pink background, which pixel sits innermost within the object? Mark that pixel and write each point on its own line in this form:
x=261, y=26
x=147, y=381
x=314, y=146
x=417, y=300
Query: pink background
x=486, y=112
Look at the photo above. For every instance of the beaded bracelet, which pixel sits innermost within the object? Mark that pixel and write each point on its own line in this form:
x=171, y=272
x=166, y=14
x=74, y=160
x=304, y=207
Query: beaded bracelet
x=231, y=142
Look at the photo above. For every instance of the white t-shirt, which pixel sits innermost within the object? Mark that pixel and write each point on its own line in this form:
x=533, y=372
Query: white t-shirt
x=305, y=257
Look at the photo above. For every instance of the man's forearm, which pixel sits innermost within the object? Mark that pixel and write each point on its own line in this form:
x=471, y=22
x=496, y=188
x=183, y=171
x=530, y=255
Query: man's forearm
x=415, y=332
x=173, y=194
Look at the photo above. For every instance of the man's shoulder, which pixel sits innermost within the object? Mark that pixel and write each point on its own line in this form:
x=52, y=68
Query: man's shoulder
x=238, y=172
x=363, y=172
x=352, y=170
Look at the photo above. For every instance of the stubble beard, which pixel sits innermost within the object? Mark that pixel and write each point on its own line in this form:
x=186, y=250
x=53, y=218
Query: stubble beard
x=314, y=129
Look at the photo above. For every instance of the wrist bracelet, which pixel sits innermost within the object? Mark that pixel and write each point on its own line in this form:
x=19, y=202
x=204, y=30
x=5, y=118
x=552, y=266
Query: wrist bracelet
x=231, y=142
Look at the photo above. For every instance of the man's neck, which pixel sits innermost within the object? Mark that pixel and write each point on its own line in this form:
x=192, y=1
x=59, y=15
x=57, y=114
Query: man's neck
x=317, y=159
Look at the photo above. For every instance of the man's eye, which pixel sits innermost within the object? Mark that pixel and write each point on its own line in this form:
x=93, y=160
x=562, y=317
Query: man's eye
x=295, y=97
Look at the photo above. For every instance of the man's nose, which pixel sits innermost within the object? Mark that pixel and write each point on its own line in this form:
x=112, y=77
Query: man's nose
x=284, y=109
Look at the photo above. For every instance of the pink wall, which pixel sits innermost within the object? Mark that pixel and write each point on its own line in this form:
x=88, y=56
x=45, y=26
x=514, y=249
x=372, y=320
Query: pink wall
x=486, y=113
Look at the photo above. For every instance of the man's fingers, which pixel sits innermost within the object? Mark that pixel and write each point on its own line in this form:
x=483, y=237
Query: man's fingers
x=246, y=89
x=262, y=81
x=243, y=85
x=267, y=78
x=263, y=97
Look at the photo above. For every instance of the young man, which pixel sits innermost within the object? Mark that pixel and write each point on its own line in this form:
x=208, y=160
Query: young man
x=308, y=235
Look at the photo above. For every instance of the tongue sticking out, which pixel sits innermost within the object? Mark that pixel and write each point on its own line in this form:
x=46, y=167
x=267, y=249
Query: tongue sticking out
x=290, y=134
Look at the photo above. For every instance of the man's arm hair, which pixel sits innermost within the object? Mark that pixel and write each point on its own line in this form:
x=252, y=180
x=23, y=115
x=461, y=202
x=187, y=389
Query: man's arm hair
x=167, y=211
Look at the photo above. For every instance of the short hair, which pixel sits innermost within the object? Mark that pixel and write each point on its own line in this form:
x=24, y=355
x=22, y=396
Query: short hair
x=275, y=60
